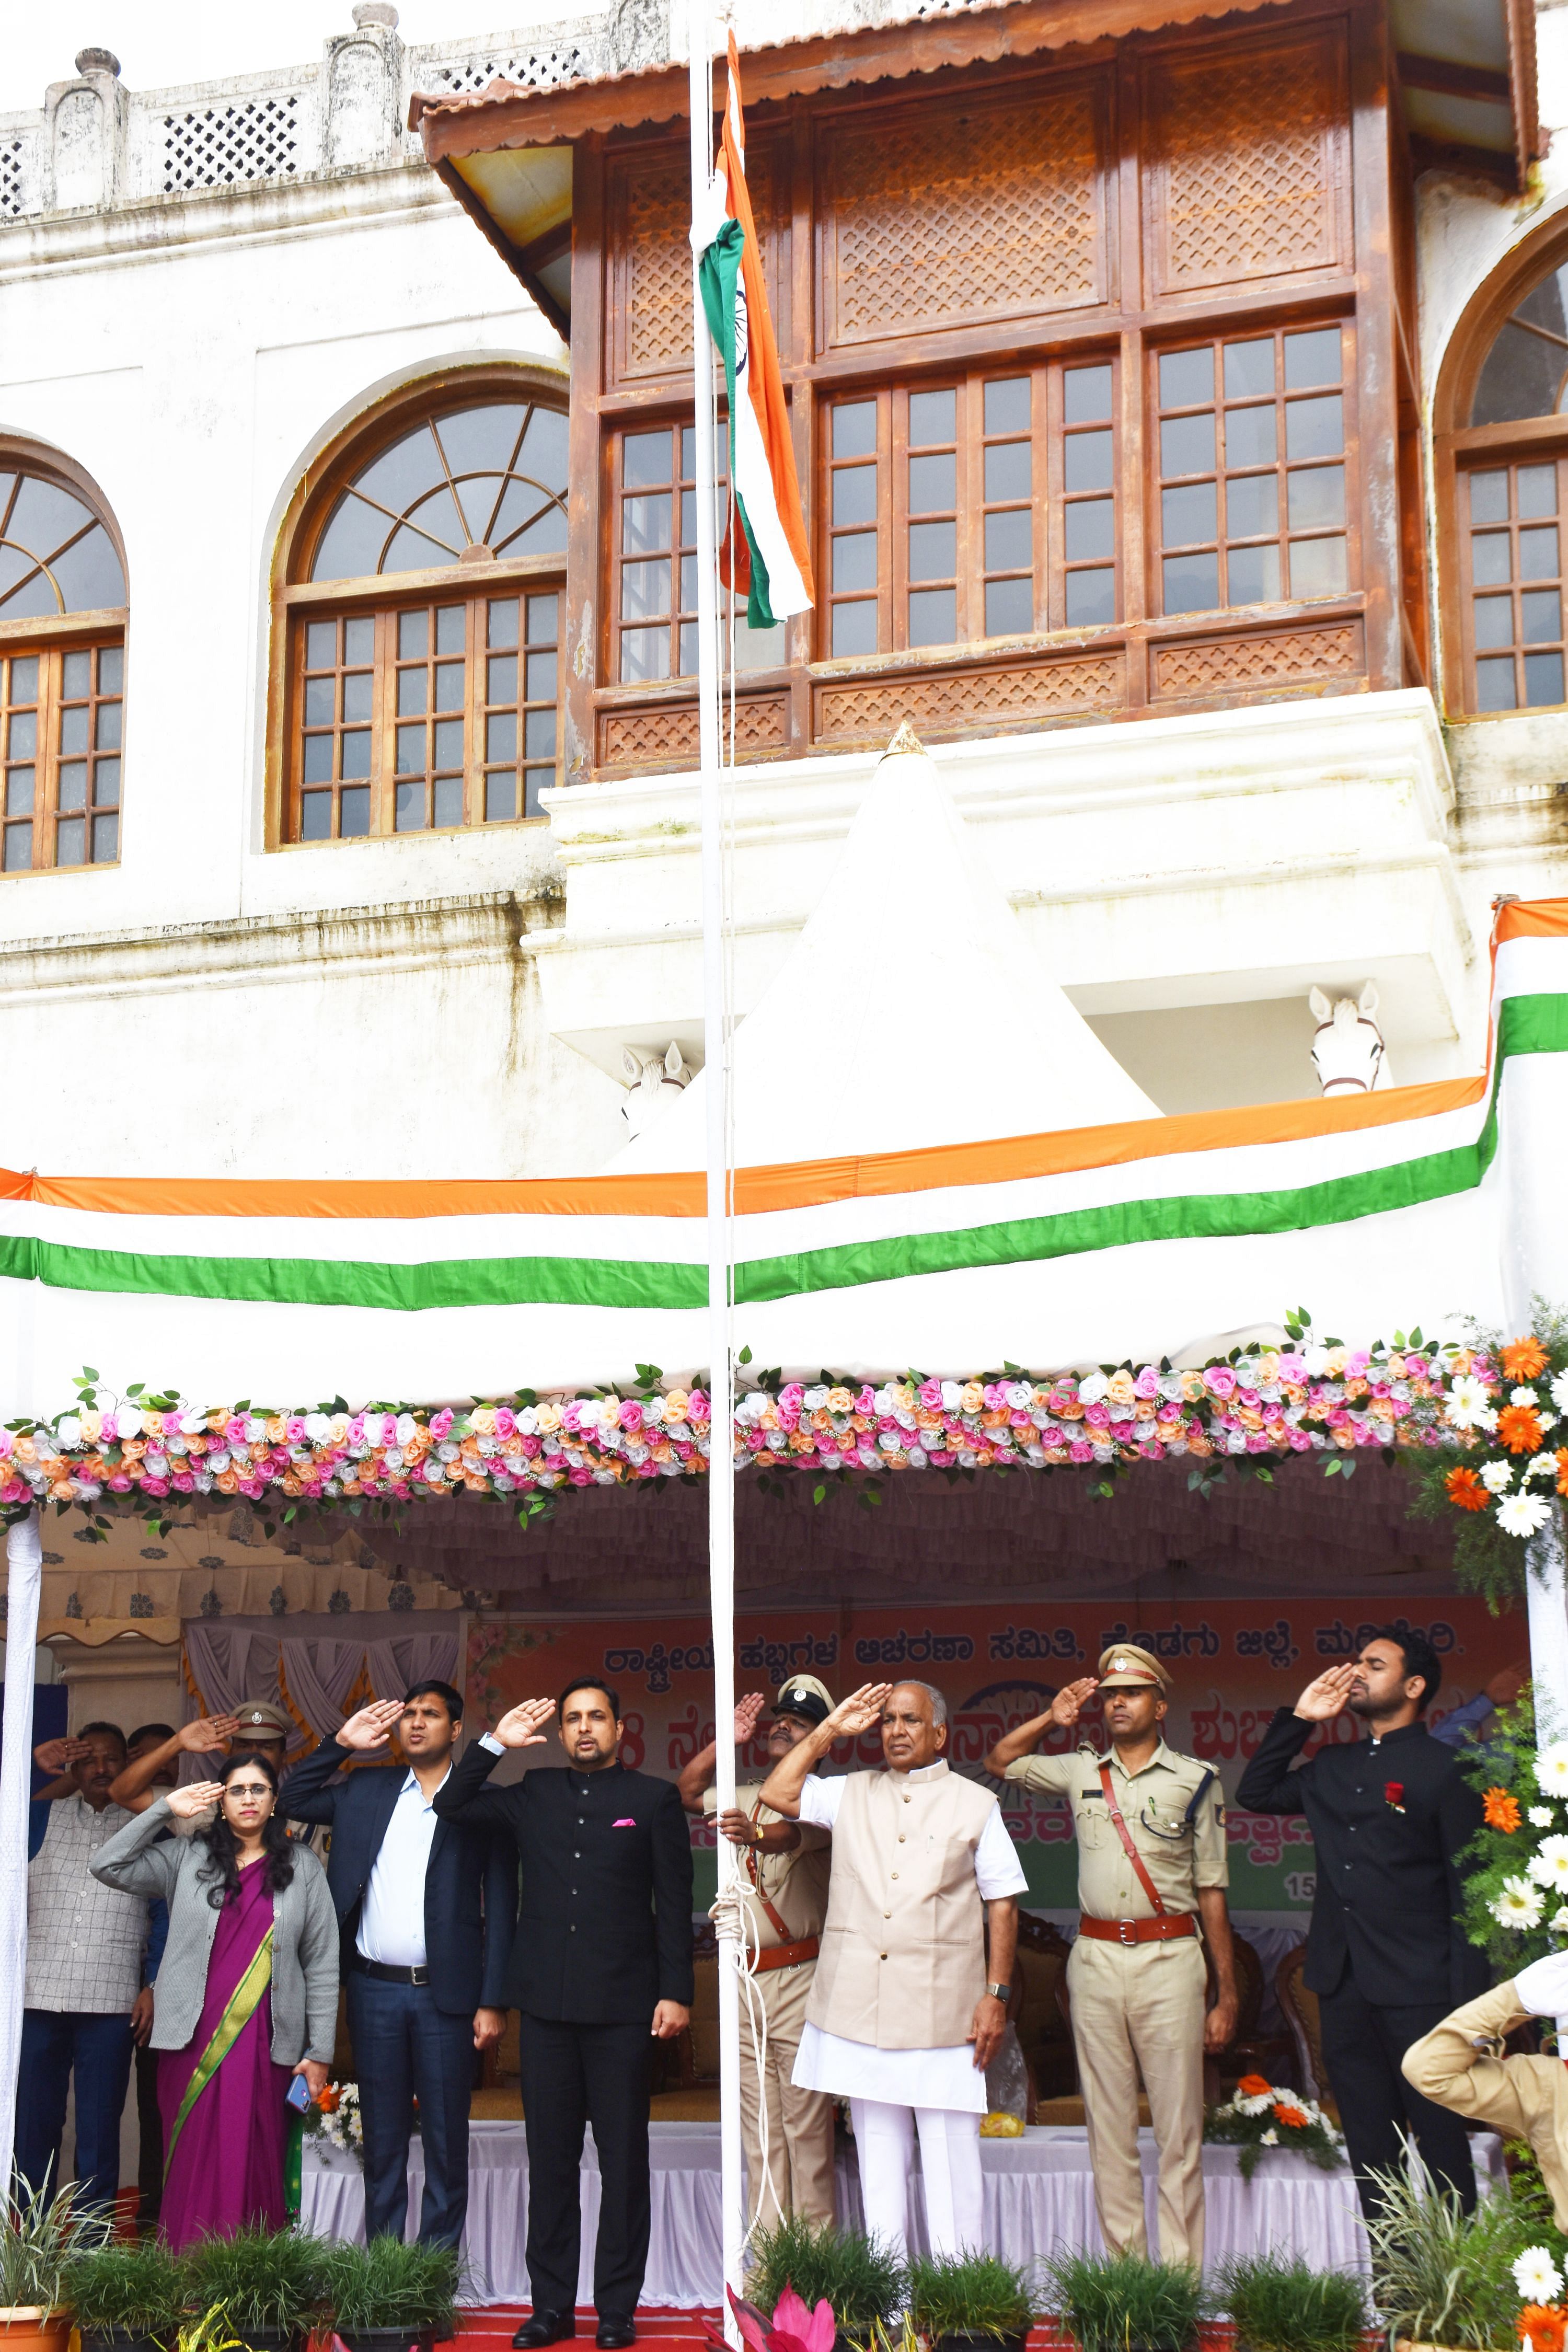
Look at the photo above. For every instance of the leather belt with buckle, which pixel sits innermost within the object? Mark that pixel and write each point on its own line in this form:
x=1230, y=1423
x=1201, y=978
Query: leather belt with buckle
x=1138, y=1931
x=788, y=1955
x=386, y=1975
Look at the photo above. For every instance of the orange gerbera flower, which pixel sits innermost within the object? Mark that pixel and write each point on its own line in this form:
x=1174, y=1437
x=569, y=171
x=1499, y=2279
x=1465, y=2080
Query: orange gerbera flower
x=1562, y=1469
x=1523, y=1359
x=1467, y=1490
x=1291, y=2117
x=1254, y=2086
x=1541, y=2324
x=1502, y=1810
x=328, y=2099
x=1518, y=1428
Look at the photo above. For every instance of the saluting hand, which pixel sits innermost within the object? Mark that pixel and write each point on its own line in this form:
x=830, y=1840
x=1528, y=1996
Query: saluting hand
x=1327, y=1697
x=187, y=1803
x=521, y=1726
x=208, y=1734
x=372, y=1726
x=747, y=1710
x=1068, y=1702
x=59, y=1755
x=859, y=1711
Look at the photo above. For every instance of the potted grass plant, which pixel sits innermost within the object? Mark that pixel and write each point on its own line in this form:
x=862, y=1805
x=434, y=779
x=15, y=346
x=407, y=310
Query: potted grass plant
x=388, y=2297
x=970, y=2303
x=267, y=2287
x=126, y=2299
x=1122, y=2303
x=40, y=2236
x=1286, y=2307
x=1441, y=2276
x=861, y=2278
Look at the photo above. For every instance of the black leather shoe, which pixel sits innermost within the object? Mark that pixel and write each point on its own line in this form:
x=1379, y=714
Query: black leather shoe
x=614, y=2334
x=546, y=2327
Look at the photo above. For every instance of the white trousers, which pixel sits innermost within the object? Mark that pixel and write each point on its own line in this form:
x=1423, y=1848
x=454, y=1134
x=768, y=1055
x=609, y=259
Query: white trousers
x=949, y=2160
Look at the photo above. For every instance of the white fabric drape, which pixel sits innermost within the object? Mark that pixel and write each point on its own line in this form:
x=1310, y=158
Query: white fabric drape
x=24, y=1566
x=412, y=1657
x=321, y=1674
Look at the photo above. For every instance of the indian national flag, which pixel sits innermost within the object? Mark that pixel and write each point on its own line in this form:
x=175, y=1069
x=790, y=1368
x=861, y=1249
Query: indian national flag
x=769, y=558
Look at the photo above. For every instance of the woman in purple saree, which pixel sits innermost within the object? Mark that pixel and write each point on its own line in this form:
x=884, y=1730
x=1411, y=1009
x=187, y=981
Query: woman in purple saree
x=251, y=2000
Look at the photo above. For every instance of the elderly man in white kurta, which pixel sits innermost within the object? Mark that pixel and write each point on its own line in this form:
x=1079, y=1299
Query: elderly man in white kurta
x=902, y=2020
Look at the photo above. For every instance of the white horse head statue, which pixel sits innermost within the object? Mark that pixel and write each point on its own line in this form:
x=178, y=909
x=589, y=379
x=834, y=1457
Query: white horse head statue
x=653, y=1081
x=1347, y=1051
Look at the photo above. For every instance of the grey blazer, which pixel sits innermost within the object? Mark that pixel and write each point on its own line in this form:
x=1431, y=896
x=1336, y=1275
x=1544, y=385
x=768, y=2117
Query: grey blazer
x=304, y=1940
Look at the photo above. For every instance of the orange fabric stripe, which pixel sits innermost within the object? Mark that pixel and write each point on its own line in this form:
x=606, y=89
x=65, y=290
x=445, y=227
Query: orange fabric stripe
x=790, y=1185
x=1531, y=919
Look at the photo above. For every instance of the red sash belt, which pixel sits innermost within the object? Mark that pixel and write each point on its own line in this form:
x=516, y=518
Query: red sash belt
x=1137, y=1931
x=788, y=1955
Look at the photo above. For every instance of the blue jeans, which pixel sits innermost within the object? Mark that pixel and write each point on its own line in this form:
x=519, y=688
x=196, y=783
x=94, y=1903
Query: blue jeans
x=56, y=2042
x=407, y=2048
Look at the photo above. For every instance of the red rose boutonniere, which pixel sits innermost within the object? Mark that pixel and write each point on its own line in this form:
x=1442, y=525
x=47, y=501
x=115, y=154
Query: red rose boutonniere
x=1393, y=1794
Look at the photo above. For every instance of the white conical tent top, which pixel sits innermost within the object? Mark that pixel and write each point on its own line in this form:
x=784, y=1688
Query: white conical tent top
x=912, y=932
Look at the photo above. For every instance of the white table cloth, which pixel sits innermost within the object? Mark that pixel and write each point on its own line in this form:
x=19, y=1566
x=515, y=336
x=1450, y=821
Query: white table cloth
x=1039, y=2194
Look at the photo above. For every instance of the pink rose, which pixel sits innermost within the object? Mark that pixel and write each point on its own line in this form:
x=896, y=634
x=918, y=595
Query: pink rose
x=184, y=1482
x=929, y=1393
x=1168, y=1412
x=699, y=1405
x=1293, y=1369
x=159, y=1487
x=119, y=1483
x=1147, y=1383
x=1299, y=1441
x=1259, y=1444
x=631, y=1413
x=233, y=1428
x=1220, y=1381
x=1080, y=1450
x=294, y=1429
x=1151, y=1452
x=506, y=1420
x=579, y=1477
x=1098, y=1415
x=441, y=1427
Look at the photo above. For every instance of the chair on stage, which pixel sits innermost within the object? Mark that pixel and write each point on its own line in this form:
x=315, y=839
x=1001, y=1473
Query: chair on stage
x=1299, y=2007
x=1249, y=2051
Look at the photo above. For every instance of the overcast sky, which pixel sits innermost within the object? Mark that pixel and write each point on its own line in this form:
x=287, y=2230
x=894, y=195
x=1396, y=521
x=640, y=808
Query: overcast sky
x=160, y=42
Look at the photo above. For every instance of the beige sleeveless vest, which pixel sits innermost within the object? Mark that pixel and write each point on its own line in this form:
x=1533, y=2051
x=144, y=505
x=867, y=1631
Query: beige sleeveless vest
x=903, y=1956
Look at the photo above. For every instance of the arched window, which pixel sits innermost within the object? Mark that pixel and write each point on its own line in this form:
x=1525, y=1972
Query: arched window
x=421, y=607
x=1502, y=441
x=62, y=666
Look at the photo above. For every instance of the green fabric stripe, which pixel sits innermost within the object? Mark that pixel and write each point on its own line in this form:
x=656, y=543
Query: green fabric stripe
x=1527, y=1025
x=241, y=2009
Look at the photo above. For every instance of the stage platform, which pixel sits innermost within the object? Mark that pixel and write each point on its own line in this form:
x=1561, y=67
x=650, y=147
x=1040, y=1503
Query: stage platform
x=1039, y=2194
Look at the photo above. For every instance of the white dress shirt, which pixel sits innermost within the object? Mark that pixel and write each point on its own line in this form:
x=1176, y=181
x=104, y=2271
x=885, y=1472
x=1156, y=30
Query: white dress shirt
x=392, y=1916
x=904, y=2078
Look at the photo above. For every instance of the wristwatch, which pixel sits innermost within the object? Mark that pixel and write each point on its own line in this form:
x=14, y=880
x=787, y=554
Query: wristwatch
x=999, y=1991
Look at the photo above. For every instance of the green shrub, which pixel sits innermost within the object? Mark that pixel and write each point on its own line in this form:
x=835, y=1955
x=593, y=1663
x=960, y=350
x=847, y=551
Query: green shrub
x=1441, y=2275
x=860, y=2277
x=1288, y=2306
x=1112, y=2302
x=263, y=2282
x=141, y=2290
x=40, y=2236
x=389, y=2284
x=969, y=2294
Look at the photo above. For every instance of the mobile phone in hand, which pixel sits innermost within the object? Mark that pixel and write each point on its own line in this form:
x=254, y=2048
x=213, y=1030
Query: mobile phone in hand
x=298, y=2094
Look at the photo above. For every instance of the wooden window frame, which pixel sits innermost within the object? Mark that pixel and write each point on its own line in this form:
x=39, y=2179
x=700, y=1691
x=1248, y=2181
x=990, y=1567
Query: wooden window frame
x=296, y=600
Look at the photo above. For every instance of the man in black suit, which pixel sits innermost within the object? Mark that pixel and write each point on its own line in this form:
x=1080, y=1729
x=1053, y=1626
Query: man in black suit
x=426, y=1908
x=601, y=1964
x=1387, y=1955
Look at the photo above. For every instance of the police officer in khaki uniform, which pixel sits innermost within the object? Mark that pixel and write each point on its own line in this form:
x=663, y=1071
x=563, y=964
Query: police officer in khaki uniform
x=1151, y=1865
x=783, y=1890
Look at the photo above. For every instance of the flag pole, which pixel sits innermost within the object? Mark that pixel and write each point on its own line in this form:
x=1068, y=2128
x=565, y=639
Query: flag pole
x=716, y=1049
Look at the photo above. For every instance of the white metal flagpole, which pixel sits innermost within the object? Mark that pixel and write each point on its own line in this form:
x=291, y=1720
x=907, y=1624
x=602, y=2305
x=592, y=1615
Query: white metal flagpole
x=23, y=1560
x=715, y=1072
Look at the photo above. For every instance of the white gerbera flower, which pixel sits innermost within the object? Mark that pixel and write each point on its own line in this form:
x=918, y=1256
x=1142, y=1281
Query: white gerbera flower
x=1558, y=1923
x=1522, y=1396
x=1539, y=1817
x=1467, y=1402
x=1537, y=2276
x=1560, y=1392
x=1523, y=1515
x=1548, y=1865
x=1519, y=1906
x=1269, y=2139
x=1542, y=1464
x=1497, y=1477
x=1551, y=1769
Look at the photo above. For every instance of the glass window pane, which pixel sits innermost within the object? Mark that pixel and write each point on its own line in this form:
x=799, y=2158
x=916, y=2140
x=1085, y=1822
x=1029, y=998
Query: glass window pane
x=1318, y=567
x=25, y=677
x=854, y=561
x=854, y=494
x=1252, y=575
x=349, y=547
x=1009, y=540
x=449, y=743
x=688, y=649
x=23, y=735
x=1312, y=358
x=1536, y=490
x=1191, y=583
x=1007, y=405
x=933, y=484
x=108, y=727
x=322, y=644
x=502, y=683
x=1251, y=505
x=73, y=729
x=758, y=648
x=71, y=793
x=70, y=841
x=545, y=448
x=88, y=575
x=501, y=627
x=1488, y=497
x=1542, y=679
x=451, y=636
x=1250, y=369
x=1186, y=446
x=1091, y=529
x=315, y=816
x=539, y=735
x=933, y=417
x=934, y=616
x=105, y=840
x=356, y=755
x=1009, y=470
x=319, y=696
x=855, y=628
x=535, y=782
x=1092, y=598
x=1494, y=620
x=1494, y=685
x=646, y=457
x=411, y=750
x=1186, y=377
x=449, y=685
x=1490, y=559
x=500, y=799
x=541, y=623
x=410, y=812
x=1087, y=461
x=645, y=653
x=448, y=795
x=359, y=642
x=541, y=682
x=106, y=782
x=1249, y=437
x=75, y=675
x=855, y=429
x=1086, y=395
x=933, y=551
x=645, y=589
x=645, y=523
x=411, y=686
x=1010, y=605
x=1538, y=552
x=358, y=694
x=500, y=737
x=19, y=848
x=1315, y=428
x=19, y=784
x=1317, y=499
x=1187, y=517
x=688, y=450
x=318, y=759
x=353, y=812
x=1542, y=617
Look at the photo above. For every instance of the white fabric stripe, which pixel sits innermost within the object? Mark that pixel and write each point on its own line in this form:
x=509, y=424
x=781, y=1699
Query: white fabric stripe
x=1530, y=967
x=755, y=484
